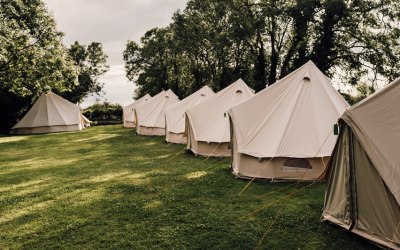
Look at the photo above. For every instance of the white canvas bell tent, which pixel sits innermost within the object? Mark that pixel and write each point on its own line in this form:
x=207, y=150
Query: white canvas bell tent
x=86, y=121
x=150, y=115
x=285, y=131
x=175, y=115
x=128, y=112
x=50, y=113
x=207, y=124
x=363, y=176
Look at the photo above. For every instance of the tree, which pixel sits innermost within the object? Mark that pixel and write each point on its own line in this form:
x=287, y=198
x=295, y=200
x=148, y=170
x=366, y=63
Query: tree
x=104, y=112
x=32, y=58
x=148, y=65
x=215, y=42
x=91, y=63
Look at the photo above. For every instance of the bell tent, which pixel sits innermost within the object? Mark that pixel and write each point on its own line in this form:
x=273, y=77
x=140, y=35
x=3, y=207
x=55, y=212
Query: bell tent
x=285, y=131
x=86, y=121
x=50, y=113
x=363, y=177
x=150, y=115
x=128, y=112
x=175, y=115
x=207, y=124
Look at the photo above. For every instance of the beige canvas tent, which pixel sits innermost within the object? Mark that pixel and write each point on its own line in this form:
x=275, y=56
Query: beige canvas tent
x=128, y=112
x=285, y=131
x=175, y=115
x=86, y=121
x=363, y=177
x=150, y=115
x=50, y=113
x=207, y=124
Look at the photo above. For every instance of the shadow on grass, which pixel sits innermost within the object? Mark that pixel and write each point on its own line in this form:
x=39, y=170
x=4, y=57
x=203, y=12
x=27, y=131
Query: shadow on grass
x=109, y=188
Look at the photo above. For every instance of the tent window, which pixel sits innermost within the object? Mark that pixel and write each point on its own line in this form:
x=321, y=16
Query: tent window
x=238, y=91
x=307, y=76
x=203, y=95
x=296, y=163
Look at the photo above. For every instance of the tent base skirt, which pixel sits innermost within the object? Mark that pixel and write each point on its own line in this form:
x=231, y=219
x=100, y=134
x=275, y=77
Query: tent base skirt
x=176, y=138
x=129, y=124
x=279, y=168
x=151, y=131
x=45, y=130
x=211, y=149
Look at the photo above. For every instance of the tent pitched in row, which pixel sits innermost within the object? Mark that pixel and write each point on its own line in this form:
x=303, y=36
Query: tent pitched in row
x=285, y=131
x=86, y=121
x=128, y=112
x=363, y=187
x=207, y=125
x=150, y=116
x=175, y=115
x=51, y=113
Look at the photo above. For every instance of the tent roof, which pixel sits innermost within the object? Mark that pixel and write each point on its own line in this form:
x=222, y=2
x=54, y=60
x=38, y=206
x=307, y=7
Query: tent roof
x=292, y=118
x=50, y=110
x=152, y=112
x=175, y=114
x=208, y=119
x=128, y=110
x=376, y=123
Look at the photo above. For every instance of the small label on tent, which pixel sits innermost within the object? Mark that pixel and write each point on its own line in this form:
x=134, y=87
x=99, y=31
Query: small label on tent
x=335, y=129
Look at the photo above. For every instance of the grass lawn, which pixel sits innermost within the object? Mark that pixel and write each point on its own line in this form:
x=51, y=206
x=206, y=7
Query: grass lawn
x=109, y=188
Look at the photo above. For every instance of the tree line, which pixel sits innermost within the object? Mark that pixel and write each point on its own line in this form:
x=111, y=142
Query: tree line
x=215, y=42
x=33, y=59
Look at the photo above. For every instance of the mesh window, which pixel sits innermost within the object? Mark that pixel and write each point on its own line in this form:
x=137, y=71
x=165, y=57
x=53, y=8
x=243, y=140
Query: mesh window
x=300, y=163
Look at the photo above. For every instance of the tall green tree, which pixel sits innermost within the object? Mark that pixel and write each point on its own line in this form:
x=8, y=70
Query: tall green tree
x=32, y=58
x=91, y=64
x=148, y=64
x=215, y=42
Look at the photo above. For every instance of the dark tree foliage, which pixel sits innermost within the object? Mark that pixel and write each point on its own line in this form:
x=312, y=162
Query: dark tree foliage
x=32, y=58
x=91, y=63
x=215, y=42
x=104, y=112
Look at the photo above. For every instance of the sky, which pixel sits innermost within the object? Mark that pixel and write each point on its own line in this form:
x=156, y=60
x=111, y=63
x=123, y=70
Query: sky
x=112, y=23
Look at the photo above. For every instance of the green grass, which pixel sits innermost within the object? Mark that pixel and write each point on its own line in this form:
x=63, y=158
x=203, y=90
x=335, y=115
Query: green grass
x=109, y=188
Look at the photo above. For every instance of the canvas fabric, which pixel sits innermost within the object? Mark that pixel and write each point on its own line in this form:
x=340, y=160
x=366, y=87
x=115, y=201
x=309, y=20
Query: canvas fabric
x=50, y=113
x=86, y=121
x=46, y=129
x=247, y=166
x=293, y=118
x=151, y=114
x=128, y=112
x=208, y=121
x=175, y=138
x=152, y=131
x=175, y=114
x=357, y=197
x=375, y=122
x=216, y=149
x=362, y=192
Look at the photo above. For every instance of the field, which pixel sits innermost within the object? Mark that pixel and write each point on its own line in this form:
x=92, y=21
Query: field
x=109, y=188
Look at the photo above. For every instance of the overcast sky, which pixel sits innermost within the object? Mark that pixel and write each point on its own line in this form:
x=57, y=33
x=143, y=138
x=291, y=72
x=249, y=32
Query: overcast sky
x=112, y=23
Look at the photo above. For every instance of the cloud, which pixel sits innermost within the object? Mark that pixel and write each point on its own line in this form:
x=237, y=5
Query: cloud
x=112, y=23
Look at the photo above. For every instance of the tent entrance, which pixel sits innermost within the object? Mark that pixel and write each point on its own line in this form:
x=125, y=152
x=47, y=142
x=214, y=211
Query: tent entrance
x=357, y=198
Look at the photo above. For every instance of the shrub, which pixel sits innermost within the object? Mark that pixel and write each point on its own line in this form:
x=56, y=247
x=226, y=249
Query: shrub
x=104, y=112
